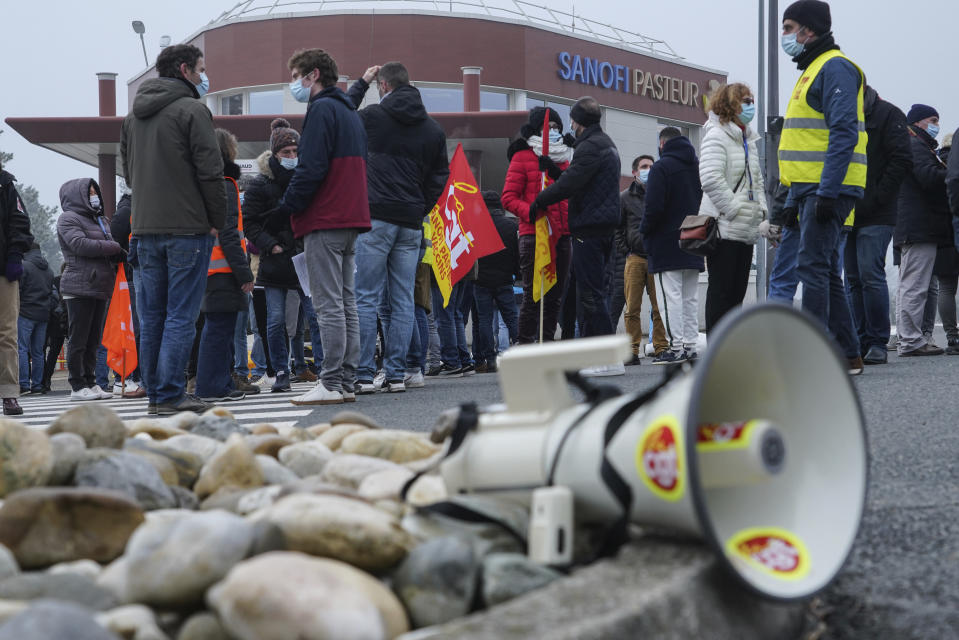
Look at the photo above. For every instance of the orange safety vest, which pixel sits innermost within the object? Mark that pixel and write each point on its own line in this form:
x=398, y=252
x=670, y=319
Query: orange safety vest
x=218, y=261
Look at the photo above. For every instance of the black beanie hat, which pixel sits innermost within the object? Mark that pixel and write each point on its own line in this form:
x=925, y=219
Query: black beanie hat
x=920, y=112
x=812, y=14
x=282, y=135
x=578, y=115
x=536, y=115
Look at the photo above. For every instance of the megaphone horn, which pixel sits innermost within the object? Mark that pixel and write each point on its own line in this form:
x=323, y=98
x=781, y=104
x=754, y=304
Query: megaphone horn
x=760, y=449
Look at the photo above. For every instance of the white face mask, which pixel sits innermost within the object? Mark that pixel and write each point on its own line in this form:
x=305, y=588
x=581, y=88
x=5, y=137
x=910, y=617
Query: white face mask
x=555, y=137
x=95, y=202
x=289, y=163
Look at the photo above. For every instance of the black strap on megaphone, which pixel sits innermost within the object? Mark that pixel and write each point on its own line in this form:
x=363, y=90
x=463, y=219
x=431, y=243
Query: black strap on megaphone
x=466, y=422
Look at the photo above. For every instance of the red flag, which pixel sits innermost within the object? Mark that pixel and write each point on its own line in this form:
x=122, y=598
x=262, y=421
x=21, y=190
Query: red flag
x=118, y=335
x=463, y=230
x=544, y=262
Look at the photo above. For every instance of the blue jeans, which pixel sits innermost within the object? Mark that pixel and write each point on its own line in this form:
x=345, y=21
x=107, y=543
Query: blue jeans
x=818, y=268
x=783, y=279
x=170, y=286
x=386, y=259
x=416, y=358
x=279, y=341
x=31, y=337
x=450, y=326
x=865, y=262
x=241, y=363
x=307, y=314
x=215, y=356
x=486, y=299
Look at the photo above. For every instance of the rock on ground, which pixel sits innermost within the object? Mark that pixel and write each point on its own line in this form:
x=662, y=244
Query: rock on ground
x=348, y=470
x=49, y=619
x=69, y=587
x=232, y=466
x=291, y=595
x=120, y=471
x=438, y=580
x=67, y=449
x=395, y=446
x=305, y=458
x=26, y=457
x=97, y=424
x=203, y=626
x=508, y=575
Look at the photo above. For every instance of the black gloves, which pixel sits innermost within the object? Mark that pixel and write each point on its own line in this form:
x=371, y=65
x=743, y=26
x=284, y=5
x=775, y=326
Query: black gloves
x=825, y=209
x=532, y=211
x=791, y=217
x=546, y=164
x=569, y=140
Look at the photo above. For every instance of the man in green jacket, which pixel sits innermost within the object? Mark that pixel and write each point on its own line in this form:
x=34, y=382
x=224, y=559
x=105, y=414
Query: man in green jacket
x=172, y=162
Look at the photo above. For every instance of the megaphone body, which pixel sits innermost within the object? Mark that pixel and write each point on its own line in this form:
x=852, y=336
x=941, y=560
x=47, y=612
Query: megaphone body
x=759, y=449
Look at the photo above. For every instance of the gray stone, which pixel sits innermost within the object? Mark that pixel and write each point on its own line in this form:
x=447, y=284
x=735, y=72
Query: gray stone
x=199, y=445
x=187, y=465
x=305, y=458
x=233, y=465
x=71, y=587
x=488, y=538
x=185, y=499
x=125, y=472
x=49, y=620
x=217, y=427
x=651, y=589
x=508, y=575
x=97, y=424
x=203, y=626
x=258, y=499
x=8, y=563
x=266, y=537
x=132, y=621
x=393, y=445
x=354, y=417
x=67, y=449
x=86, y=568
x=26, y=458
x=349, y=470
x=172, y=562
x=274, y=472
x=437, y=582
x=291, y=595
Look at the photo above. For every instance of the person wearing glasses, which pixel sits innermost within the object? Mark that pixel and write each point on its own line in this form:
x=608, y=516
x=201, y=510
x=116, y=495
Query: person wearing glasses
x=733, y=193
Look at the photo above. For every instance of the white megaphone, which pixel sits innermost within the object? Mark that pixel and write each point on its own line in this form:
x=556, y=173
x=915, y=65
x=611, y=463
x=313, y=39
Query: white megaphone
x=760, y=449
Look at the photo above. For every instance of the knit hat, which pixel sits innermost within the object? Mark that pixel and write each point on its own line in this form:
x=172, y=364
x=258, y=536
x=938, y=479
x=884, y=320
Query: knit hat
x=812, y=14
x=282, y=135
x=920, y=112
x=536, y=115
x=578, y=115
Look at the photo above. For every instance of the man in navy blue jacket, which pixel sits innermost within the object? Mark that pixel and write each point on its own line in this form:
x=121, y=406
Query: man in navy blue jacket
x=672, y=193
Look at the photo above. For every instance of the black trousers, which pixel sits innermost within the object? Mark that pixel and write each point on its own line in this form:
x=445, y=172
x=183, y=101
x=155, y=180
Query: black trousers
x=529, y=310
x=728, y=278
x=55, y=338
x=259, y=312
x=86, y=316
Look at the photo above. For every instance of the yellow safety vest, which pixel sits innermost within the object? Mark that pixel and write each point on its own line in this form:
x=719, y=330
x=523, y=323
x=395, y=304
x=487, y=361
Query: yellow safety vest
x=805, y=137
x=218, y=261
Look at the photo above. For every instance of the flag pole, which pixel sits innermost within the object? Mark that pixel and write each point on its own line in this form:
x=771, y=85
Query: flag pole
x=542, y=276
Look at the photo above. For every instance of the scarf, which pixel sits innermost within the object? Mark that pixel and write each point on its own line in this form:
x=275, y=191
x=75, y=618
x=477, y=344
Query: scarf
x=819, y=46
x=558, y=152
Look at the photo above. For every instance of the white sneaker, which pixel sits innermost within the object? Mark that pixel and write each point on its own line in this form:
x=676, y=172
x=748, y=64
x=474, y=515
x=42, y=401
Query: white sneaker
x=84, y=394
x=414, y=380
x=396, y=386
x=349, y=396
x=102, y=393
x=379, y=380
x=127, y=386
x=604, y=370
x=319, y=395
x=266, y=382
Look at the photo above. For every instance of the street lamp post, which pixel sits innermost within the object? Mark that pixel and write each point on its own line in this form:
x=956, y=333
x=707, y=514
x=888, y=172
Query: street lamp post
x=139, y=29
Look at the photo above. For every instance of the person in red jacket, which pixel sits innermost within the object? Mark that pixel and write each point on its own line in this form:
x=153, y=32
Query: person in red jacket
x=524, y=181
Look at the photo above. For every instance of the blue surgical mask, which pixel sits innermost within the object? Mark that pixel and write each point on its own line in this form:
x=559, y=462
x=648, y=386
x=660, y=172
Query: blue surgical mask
x=932, y=129
x=204, y=85
x=300, y=93
x=555, y=137
x=95, y=202
x=790, y=46
x=289, y=163
x=748, y=113
x=643, y=175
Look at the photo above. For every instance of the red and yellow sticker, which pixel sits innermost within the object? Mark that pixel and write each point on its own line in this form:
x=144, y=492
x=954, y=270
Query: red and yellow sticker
x=659, y=459
x=776, y=552
x=724, y=436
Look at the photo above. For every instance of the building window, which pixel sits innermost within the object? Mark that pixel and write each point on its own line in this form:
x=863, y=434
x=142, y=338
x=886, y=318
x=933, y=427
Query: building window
x=232, y=105
x=494, y=101
x=266, y=102
x=445, y=100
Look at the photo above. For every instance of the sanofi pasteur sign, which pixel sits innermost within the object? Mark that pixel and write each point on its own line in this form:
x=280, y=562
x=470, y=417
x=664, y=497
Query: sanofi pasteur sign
x=617, y=77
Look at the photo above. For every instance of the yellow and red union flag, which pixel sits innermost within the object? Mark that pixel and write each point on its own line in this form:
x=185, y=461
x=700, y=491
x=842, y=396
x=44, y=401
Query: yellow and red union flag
x=118, y=335
x=544, y=261
x=462, y=229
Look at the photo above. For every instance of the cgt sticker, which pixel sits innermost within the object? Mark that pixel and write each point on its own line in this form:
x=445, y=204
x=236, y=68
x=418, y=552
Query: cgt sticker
x=723, y=436
x=776, y=552
x=659, y=459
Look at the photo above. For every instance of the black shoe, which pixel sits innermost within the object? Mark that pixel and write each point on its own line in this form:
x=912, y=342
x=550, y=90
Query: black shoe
x=924, y=350
x=434, y=370
x=231, y=396
x=468, y=370
x=187, y=403
x=242, y=384
x=953, y=350
x=876, y=355
x=151, y=408
x=11, y=407
x=449, y=371
x=635, y=360
x=24, y=391
x=669, y=357
x=282, y=383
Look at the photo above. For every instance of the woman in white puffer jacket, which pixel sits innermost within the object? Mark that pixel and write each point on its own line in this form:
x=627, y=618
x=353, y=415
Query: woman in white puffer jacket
x=733, y=192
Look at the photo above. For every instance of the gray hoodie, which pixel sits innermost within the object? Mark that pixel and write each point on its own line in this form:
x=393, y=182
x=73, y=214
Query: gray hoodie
x=86, y=243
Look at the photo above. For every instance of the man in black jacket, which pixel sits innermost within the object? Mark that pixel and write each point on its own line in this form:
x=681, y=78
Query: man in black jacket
x=636, y=275
x=923, y=225
x=888, y=161
x=36, y=302
x=591, y=184
x=15, y=240
x=407, y=168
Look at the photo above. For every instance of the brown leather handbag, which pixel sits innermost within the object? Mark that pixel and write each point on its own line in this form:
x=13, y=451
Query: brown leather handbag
x=699, y=235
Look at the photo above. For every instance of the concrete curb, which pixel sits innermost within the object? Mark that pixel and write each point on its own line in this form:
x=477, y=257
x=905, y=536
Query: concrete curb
x=652, y=589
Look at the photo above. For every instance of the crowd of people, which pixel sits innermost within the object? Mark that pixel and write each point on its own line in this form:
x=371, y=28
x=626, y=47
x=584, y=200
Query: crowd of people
x=212, y=256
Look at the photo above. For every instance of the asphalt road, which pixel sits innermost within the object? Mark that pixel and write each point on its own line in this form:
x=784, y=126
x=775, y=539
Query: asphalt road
x=902, y=579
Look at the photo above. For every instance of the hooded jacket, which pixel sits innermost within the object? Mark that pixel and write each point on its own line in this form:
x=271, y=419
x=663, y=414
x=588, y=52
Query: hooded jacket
x=86, y=243
x=591, y=184
x=172, y=161
x=924, y=215
x=888, y=161
x=266, y=226
x=523, y=183
x=328, y=187
x=633, y=203
x=15, y=237
x=726, y=181
x=37, y=295
x=672, y=193
x=406, y=160
x=500, y=268
x=223, y=293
